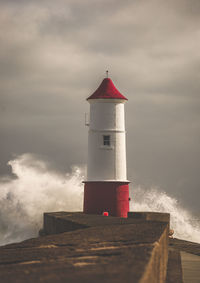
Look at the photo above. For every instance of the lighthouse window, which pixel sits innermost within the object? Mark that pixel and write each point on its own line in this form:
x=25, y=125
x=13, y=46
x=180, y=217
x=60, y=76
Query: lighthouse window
x=106, y=140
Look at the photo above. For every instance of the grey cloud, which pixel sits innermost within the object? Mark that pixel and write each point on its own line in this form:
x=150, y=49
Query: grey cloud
x=54, y=54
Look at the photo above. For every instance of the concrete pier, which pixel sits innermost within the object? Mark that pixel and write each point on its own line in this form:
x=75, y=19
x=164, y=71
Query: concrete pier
x=77, y=247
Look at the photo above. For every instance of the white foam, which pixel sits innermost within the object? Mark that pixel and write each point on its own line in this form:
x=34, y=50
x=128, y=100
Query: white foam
x=181, y=221
x=38, y=189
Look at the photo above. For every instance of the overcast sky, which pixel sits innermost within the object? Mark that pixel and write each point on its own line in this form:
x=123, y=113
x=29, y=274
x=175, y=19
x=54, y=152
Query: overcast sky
x=53, y=55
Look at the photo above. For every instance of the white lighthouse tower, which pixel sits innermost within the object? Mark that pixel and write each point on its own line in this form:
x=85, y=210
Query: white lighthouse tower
x=106, y=188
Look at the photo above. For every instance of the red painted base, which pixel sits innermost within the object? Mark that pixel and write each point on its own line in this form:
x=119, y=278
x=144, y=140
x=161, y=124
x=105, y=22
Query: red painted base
x=112, y=197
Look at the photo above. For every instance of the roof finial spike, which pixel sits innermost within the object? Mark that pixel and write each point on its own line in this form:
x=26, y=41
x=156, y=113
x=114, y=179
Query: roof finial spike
x=107, y=73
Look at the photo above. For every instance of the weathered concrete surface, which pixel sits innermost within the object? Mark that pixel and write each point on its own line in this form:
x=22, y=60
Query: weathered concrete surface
x=59, y=222
x=186, y=246
x=190, y=259
x=107, y=253
x=191, y=267
x=174, y=268
x=150, y=216
x=189, y=253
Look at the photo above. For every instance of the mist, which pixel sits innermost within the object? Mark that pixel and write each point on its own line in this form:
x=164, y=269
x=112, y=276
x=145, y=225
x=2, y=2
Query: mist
x=37, y=189
x=54, y=54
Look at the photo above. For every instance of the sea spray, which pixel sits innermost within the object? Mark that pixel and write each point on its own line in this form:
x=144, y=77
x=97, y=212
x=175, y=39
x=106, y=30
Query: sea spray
x=35, y=190
x=38, y=189
x=183, y=223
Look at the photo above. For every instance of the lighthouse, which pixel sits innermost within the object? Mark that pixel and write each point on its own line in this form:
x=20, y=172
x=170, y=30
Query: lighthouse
x=106, y=189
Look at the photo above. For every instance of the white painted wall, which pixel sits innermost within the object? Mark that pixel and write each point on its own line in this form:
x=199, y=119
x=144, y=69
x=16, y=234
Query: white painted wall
x=106, y=163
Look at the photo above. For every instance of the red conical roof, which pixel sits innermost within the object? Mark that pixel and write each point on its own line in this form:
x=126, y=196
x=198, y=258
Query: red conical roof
x=107, y=90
